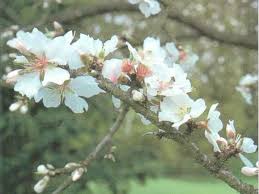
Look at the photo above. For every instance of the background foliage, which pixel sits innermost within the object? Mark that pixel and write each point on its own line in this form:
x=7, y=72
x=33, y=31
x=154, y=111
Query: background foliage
x=57, y=136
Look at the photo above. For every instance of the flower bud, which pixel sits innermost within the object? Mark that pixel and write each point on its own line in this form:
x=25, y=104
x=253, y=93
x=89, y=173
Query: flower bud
x=230, y=129
x=249, y=171
x=41, y=184
x=76, y=174
x=15, y=106
x=257, y=164
x=137, y=96
x=143, y=71
x=42, y=169
x=24, y=109
x=222, y=142
x=72, y=165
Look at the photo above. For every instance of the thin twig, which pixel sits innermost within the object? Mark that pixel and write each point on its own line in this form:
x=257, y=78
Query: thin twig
x=93, y=155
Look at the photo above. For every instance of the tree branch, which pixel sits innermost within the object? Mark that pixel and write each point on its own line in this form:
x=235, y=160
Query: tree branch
x=93, y=155
x=201, y=27
x=216, y=169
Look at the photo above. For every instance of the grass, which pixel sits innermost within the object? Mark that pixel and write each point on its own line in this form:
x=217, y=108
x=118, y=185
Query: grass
x=189, y=185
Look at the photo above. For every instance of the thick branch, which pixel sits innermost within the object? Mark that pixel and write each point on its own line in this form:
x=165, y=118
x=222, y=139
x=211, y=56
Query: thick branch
x=92, y=156
x=211, y=165
x=204, y=29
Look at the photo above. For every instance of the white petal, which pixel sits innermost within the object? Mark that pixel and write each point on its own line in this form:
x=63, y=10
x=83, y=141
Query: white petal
x=51, y=97
x=75, y=103
x=212, y=138
x=112, y=69
x=28, y=84
x=110, y=45
x=215, y=125
x=55, y=75
x=184, y=120
x=144, y=120
x=85, y=86
x=197, y=108
x=248, y=145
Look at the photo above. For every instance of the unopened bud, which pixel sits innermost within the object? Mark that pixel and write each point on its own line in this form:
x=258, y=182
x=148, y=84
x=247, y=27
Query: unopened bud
x=137, y=96
x=76, y=174
x=24, y=109
x=42, y=169
x=72, y=165
x=41, y=184
x=230, y=129
x=257, y=164
x=222, y=142
x=15, y=106
x=249, y=171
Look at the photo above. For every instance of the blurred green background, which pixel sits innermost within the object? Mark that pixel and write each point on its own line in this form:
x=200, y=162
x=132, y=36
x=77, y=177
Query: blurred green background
x=143, y=165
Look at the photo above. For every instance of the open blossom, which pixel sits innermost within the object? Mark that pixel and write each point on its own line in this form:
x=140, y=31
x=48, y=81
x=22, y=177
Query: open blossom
x=112, y=69
x=86, y=45
x=152, y=52
x=71, y=92
x=147, y=7
x=245, y=85
x=180, y=108
x=167, y=81
x=41, y=59
x=214, y=125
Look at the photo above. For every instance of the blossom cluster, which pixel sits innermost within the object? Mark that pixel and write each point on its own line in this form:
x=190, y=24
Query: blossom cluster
x=63, y=69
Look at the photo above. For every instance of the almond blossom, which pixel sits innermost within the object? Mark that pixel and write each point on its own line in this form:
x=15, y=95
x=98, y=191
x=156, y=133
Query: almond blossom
x=147, y=7
x=41, y=60
x=180, y=108
x=71, y=92
x=88, y=46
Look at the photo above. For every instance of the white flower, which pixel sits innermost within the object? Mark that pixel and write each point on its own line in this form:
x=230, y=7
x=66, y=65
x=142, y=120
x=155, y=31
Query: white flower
x=248, y=145
x=41, y=60
x=70, y=92
x=77, y=173
x=15, y=106
x=112, y=69
x=167, y=81
x=41, y=184
x=180, y=108
x=152, y=52
x=87, y=45
x=147, y=7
